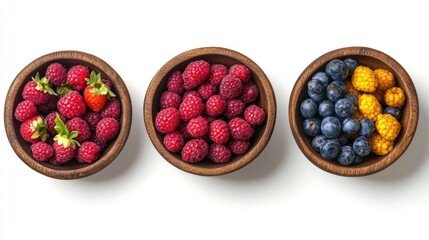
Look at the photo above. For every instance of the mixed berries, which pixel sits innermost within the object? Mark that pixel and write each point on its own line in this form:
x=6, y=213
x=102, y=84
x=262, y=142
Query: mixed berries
x=209, y=112
x=68, y=114
x=352, y=110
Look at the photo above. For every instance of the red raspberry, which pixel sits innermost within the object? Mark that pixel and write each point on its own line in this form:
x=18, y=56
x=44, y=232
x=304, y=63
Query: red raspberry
x=218, y=153
x=107, y=129
x=174, y=141
x=107, y=82
x=240, y=71
x=50, y=120
x=239, y=147
x=195, y=150
x=81, y=126
x=31, y=91
x=234, y=108
x=96, y=140
x=198, y=127
x=215, y=105
x=250, y=93
x=76, y=77
x=183, y=129
x=88, y=152
x=219, y=131
x=42, y=151
x=34, y=129
x=167, y=120
x=92, y=118
x=254, y=115
x=62, y=154
x=240, y=129
x=112, y=109
x=25, y=110
x=191, y=107
x=230, y=87
x=195, y=74
x=206, y=90
x=72, y=105
x=191, y=93
x=56, y=73
x=170, y=99
x=217, y=73
x=50, y=105
x=175, y=83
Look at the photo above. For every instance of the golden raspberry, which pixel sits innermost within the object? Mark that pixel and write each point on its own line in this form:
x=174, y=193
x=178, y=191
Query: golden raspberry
x=380, y=145
x=394, y=97
x=350, y=88
x=363, y=79
x=387, y=126
x=385, y=79
x=369, y=106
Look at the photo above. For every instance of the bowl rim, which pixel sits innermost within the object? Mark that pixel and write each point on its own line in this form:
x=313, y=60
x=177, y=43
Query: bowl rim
x=221, y=168
x=125, y=120
x=412, y=101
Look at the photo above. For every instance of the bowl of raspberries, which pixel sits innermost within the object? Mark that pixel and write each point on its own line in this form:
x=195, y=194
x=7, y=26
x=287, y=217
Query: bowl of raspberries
x=67, y=114
x=210, y=111
x=353, y=111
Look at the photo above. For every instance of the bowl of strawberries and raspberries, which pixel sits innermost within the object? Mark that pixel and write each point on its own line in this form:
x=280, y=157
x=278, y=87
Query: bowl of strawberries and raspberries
x=67, y=114
x=210, y=111
x=353, y=111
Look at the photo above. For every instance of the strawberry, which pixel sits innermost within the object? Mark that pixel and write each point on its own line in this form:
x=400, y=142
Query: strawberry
x=38, y=90
x=96, y=93
x=65, y=145
x=34, y=129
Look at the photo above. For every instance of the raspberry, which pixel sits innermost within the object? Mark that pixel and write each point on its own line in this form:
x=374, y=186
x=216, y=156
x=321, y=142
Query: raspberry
x=88, y=152
x=76, y=77
x=50, y=105
x=240, y=71
x=254, y=115
x=96, y=140
x=218, y=153
x=167, y=120
x=197, y=127
x=72, y=105
x=195, y=74
x=81, y=126
x=107, y=129
x=25, y=110
x=250, y=93
x=174, y=141
x=239, y=147
x=62, y=154
x=230, y=87
x=42, y=151
x=240, y=129
x=191, y=93
x=234, y=108
x=92, y=118
x=206, y=90
x=175, y=83
x=195, y=150
x=219, y=131
x=191, y=107
x=108, y=83
x=184, y=131
x=30, y=92
x=217, y=73
x=112, y=109
x=50, y=120
x=170, y=99
x=56, y=73
x=215, y=105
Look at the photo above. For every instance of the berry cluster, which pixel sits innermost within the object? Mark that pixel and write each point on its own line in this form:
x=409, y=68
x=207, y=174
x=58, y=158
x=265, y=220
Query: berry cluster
x=209, y=112
x=68, y=114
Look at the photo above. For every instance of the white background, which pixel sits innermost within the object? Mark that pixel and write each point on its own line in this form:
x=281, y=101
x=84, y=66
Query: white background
x=279, y=195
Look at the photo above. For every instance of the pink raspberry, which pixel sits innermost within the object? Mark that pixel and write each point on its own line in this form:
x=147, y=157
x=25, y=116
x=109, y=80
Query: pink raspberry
x=239, y=147
x=230, y=87
x=88, y=152
x=218, y=153
x=254, y=115
x=191, y=107
x=42, y=151
x=219, y=131
x=195, y=74
x=76, y=77
x=234, y=108
x=240, y=129
x=170, y=99
x=191, y=93
x=50, y=105
x=175, y=83
x=81, y=126
x=50, y=120
x=112, y=109
x=250, y=93
x=217, y=73
x=197, y=127
x=240, y=71
x=206, y=90
x=215, y=106
x=195, y=150
x=72, y=105
x=174, y=141
x=25, y=110
x=62, y=154
x=107, y=129
x=167, y=120
x=92, y=118
x=56, y=73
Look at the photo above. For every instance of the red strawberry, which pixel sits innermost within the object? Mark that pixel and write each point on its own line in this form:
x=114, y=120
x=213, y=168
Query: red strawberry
x=34, y=129
x=76, y=77
x=96, y=93
x=72, y=105
x=64, y=144
x=38, y=90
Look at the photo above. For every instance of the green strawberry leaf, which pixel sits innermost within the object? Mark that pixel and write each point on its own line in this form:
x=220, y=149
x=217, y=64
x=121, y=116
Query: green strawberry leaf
x=40, y=127
x=64, y=137
x=43, y=85
x=64, y=89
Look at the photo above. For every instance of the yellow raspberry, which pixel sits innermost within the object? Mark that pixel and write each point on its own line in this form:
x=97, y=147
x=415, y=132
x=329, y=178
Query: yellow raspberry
x=394, y=97
x=385, y=79
x=380, y=145
x=369, y=106
x=363, y=79
x=350, y=88
x=387, y=126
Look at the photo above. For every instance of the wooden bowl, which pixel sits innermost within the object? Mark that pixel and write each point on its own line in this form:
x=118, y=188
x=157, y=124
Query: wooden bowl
x=213, y=55
x=410, y=111
x=22, y=148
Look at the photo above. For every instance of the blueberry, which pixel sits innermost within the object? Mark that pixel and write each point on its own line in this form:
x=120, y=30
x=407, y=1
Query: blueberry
x=322, y=77
x=308, y=108
x=396, y=112
x=317, y=142
x=346, y=156
x=335, y=91
x=344, y=108
x=358, y=159
x=352, y=98
x=342, y=139
x=317, y=96
x=366, y=127
x=361, y=146
x=326, y=108
x=350, y=126
x=351, y=65
x=330, y=149
x=337, y=70
x=331, y=127
x=316, y=86
x=312, y=126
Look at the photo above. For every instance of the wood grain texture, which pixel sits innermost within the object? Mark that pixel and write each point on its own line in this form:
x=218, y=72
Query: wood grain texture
x=212, y=55
x=410, y=111
x=68, y=59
